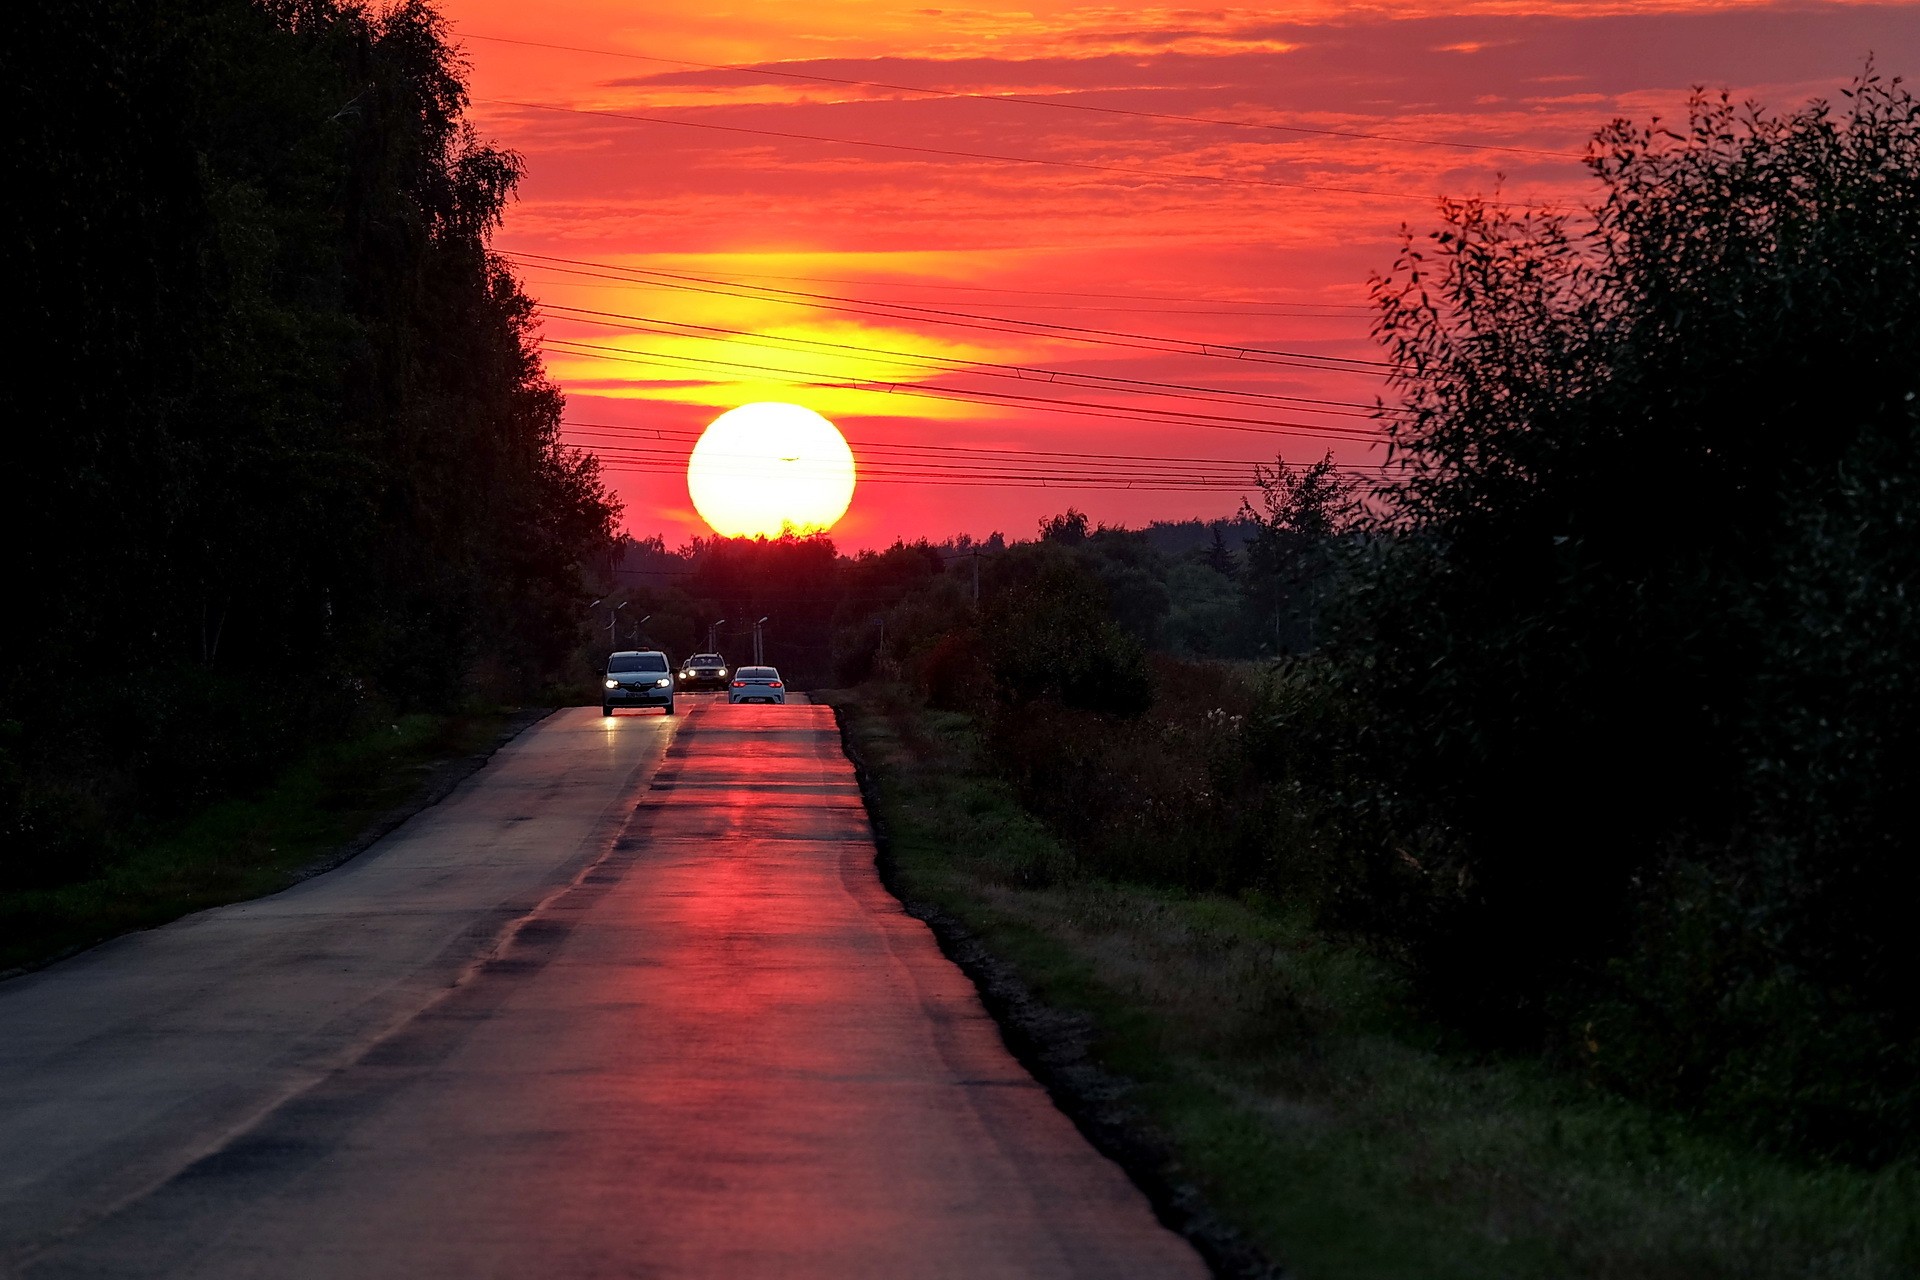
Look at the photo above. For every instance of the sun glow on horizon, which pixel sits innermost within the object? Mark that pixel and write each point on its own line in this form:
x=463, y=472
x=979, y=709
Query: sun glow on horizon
x=769, y=467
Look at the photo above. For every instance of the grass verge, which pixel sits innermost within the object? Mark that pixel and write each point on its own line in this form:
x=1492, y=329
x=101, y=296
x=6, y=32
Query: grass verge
x=1280, y=1074
x=328, y=806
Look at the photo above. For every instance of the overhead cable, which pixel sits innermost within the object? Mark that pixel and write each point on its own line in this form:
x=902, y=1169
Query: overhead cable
x=975, y=320
x=1302, y=311
x=1066, y=482
x=948, y=285
x=1078, y=408
x=677, y=433
x=983, y=368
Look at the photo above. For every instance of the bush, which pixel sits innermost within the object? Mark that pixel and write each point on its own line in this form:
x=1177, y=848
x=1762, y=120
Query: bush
x=1162, y=797
x=1046, y=631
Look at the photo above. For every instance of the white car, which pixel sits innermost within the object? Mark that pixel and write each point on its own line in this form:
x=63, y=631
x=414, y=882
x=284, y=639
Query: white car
x=756, y=684
x=637, y=678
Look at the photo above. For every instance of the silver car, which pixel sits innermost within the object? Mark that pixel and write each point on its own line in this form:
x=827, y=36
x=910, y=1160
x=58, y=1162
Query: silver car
x=756, y=684
x=637, y=678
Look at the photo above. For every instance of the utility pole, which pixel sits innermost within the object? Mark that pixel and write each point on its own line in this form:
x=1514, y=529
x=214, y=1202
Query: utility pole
x=613, y=625
x=639, y=632
x=759, y=657
x=976, y=577
x=713, y=631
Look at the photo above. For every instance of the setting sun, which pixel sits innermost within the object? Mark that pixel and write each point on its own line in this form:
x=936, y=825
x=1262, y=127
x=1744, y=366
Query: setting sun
x=766, y=468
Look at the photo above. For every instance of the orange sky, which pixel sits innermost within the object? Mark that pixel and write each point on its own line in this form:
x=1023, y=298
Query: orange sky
x=957, y=291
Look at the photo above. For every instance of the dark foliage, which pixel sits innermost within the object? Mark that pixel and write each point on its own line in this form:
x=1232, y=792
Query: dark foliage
x=1048, y=630
x=1629, y=720
x=1163, y=799
x=1305, y=514
x=284, y=451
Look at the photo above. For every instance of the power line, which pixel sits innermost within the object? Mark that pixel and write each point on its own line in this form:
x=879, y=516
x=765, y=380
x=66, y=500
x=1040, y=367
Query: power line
x=974, y=320
x=1145, y=484
x=757, y=465
x=938, y=463
x=986, y=479
x=982, y=368
x=1043, y=102
x=1077, y=408
x=677, y=433
x=1070, y=408
x=1040, y=293
x=1301, y=311
x=668, y=463
x=1240, y=475
x=1085, y=166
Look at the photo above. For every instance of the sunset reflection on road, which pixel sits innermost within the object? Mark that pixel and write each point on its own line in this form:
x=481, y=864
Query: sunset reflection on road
x=723, y=1050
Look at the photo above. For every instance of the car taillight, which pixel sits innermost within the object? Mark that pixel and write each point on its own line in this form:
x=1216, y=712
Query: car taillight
x=739, y=684
x=773, y=684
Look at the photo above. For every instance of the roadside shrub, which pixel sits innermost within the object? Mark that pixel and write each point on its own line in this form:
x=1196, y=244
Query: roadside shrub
x=1161, y=797
x=1046, y=631
x=953, y=675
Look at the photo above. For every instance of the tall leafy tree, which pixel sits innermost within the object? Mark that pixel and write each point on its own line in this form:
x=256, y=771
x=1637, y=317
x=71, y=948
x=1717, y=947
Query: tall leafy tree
x=289, y=452
x=1630, y=663
x=1304, y=511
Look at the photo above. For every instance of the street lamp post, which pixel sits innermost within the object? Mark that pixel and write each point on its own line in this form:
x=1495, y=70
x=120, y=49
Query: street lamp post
x=713, y=631
x=613, y=625
x=759, y=657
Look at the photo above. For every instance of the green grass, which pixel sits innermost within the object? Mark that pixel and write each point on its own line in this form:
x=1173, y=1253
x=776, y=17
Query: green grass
x=246, y=847
x=1320, y=1115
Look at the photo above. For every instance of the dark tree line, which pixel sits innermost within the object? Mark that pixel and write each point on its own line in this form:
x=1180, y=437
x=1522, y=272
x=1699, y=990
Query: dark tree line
x=282, y=451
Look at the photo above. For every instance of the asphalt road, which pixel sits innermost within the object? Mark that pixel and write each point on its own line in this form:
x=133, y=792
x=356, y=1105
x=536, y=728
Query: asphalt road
x=632, y=1002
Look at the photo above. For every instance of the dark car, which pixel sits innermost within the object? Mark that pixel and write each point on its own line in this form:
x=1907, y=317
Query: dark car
x=637, y=678
x=703, y=671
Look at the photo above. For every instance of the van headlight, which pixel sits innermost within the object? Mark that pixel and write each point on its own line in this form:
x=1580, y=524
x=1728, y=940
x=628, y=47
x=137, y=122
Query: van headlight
x=613, y=684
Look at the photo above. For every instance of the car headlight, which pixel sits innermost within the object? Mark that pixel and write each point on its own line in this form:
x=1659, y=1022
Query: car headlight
x=613, y=684
x=663, y=682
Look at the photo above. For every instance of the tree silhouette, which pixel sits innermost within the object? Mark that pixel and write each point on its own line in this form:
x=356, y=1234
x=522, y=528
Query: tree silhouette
x=1628, y=663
